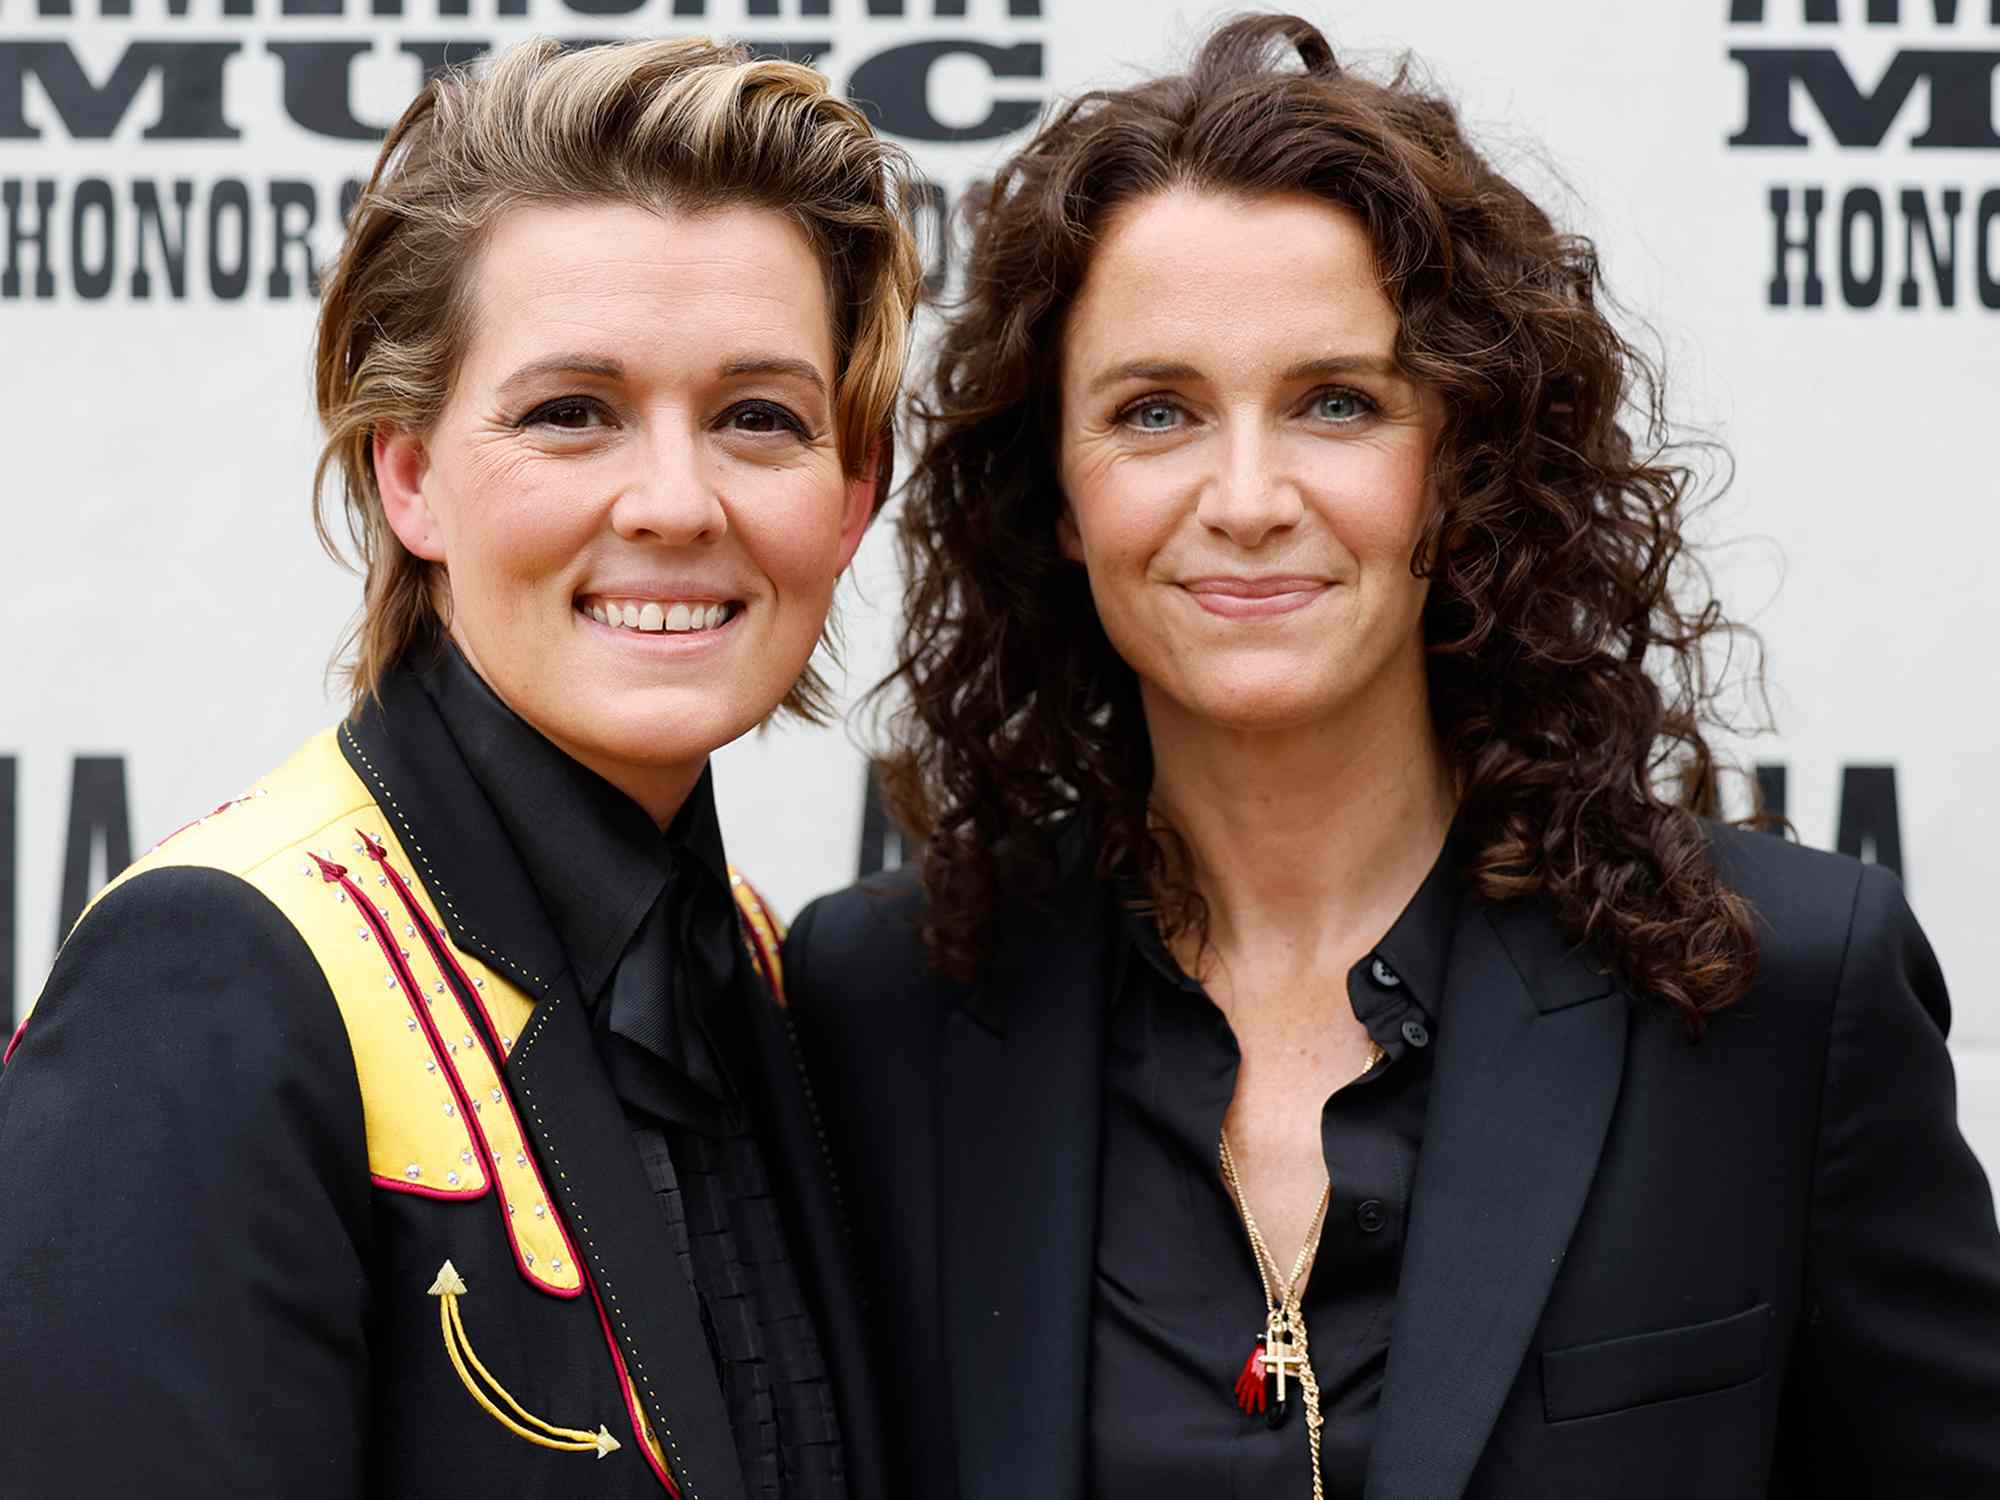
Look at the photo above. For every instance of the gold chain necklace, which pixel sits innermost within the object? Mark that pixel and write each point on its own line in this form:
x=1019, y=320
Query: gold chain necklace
x=1283, y=1352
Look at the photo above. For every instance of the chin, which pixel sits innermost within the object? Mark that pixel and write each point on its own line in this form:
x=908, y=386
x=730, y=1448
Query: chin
x=1258, y=696
x=1260, y=718
x=1251, y=709
x=687, y=743
x=651, y=734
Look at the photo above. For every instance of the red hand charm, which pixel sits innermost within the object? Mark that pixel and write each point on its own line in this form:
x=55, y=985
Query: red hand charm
x=1252, y=1389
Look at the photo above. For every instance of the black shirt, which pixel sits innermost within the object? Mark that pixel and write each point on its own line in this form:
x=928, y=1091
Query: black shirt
x=1178, y=1304
x=650, y=929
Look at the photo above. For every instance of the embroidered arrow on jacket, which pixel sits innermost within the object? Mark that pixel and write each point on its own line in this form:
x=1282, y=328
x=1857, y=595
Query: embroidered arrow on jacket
x=448, y=1288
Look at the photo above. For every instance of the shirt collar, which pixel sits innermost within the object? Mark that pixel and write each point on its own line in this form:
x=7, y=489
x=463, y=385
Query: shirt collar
x=1417, y=945
x=596, y=857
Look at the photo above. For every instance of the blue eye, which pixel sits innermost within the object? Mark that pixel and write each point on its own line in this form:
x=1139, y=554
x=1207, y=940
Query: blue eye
x=1154, y=416
x=1341, y=406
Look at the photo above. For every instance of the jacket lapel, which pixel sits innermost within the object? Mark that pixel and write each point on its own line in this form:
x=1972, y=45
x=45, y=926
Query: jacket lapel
x=400, y=746
x=585, y=1145
x=1528, y=1070
x=1018, y=1129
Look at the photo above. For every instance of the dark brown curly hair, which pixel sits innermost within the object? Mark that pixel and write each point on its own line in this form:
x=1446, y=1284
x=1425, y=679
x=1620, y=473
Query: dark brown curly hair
x=1567, y=671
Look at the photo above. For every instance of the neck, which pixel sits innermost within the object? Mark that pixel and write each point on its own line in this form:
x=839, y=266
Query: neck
x=660, y=790
x=1307, y=838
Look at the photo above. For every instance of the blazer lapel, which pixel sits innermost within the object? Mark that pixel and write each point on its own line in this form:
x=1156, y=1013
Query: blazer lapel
x=1529, y=1063
x=1019, y=1121
x=820, y=1240
x=586, y=1149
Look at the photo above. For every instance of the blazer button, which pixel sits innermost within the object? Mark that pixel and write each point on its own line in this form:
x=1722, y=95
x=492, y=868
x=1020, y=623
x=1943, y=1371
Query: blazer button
x=1383, y=975
x=1368, y=1215
x=1416, y=1033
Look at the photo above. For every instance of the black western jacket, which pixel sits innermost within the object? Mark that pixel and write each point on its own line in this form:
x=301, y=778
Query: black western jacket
x=1764, y=1265
x=312, y=1183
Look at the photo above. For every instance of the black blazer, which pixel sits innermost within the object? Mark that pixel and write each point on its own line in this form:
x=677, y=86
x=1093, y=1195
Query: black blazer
x=1764, y=1265
x=208, y=1288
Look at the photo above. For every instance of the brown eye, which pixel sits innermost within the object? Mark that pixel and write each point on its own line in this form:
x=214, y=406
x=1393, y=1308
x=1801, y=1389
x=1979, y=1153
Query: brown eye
x=566, y=413
x=761, y=418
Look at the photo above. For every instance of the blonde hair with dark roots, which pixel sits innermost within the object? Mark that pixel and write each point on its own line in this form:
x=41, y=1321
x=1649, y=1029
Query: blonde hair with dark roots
x=686, y=126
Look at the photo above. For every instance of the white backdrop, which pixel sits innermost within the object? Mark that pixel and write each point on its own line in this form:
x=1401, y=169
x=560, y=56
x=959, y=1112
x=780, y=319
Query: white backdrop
x=168, y=606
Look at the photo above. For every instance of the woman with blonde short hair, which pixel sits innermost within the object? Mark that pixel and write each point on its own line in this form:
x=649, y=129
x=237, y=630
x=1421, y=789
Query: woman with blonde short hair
x=421, y=1122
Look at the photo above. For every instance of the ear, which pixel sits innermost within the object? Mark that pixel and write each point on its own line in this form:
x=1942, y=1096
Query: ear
x=1066, y=535
x=402, y=467
x=860, y=505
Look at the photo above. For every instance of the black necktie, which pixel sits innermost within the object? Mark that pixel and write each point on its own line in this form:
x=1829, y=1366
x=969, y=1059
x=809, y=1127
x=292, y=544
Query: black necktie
x=681, y=961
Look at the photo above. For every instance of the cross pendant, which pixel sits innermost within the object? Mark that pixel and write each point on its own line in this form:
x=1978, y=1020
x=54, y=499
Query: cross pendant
x=1281, y=1356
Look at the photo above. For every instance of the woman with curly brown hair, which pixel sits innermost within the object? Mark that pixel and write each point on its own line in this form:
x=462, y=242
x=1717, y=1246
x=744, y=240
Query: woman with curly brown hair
x=1325, y=1044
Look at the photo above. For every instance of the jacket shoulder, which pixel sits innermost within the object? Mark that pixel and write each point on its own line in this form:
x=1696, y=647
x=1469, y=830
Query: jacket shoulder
x=308, y=801
x=869, y=928
x=1817, y=913
x=1752, y=861
x=856, y=963
x=251, y=842
x=868, y=938
x=190, y=948
x=313, y=841
x=1796, y=891
x=289, y=852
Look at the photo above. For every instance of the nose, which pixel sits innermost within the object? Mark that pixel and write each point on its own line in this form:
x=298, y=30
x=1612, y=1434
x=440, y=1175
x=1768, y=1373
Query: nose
x=1249, y=499
x=675, y=498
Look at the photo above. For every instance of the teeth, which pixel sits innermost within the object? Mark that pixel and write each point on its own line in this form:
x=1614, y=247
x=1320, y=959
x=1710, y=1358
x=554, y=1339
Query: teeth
x=656, y=617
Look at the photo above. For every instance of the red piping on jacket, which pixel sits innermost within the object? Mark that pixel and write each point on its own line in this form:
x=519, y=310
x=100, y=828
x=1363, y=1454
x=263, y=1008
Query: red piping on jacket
x=440, y=950
x=631, y=1392
x=418, y=1190
x=442, y=955
x=334, y=874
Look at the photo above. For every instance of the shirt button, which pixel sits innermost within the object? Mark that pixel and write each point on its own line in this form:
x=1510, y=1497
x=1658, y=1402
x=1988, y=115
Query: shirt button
x=1369, y=1216
x=1416, y=1033
x=1385, y=976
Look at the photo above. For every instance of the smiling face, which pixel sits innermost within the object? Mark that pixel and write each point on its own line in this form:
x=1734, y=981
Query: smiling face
x=1245, y=469
x=634, y=489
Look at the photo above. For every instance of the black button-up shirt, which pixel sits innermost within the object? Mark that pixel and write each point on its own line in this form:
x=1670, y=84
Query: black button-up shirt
x=1178, y=1304
x=650, y=929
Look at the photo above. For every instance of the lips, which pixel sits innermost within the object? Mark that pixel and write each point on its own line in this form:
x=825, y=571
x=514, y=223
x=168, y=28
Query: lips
x=1256, y=597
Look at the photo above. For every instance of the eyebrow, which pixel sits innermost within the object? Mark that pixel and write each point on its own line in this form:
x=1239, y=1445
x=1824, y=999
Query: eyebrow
x=799, y=369
x=564, y=364
x=1310, y=369
x=611, y=369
